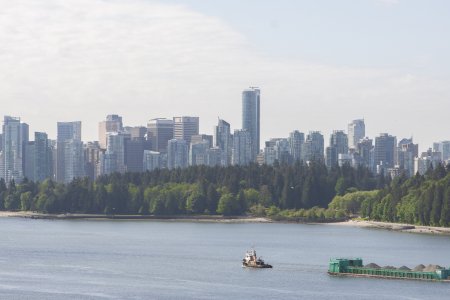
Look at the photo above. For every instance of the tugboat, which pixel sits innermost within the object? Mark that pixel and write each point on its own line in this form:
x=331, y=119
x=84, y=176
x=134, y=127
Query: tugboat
x=252, y=261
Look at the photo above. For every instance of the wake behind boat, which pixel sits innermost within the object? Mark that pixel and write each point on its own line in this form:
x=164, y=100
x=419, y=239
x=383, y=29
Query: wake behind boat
x=252, y=261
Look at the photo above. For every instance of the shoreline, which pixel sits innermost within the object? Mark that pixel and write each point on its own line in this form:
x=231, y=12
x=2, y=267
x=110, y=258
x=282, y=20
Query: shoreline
x=400, y=227
x=169, y=218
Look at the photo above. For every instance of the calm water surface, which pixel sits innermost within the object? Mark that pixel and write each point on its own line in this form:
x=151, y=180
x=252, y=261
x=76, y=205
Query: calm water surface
x=41, y=259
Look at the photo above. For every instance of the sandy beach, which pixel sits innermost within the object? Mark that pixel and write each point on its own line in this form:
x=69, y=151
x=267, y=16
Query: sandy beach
x=395, y=227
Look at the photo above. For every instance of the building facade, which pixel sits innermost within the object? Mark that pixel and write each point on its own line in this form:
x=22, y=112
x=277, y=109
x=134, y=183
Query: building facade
x=160, y=132
x=356, y=132
x=251, y=118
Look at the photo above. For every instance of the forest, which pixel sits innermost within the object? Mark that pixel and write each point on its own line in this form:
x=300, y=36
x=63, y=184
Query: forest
x=299, y=192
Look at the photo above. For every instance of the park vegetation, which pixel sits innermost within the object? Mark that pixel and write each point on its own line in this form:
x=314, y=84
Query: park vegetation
x=299, y=192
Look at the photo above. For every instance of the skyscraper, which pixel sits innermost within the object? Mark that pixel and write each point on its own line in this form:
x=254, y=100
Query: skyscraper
x=338, y=145
x=313, y=147
x=43, y=167
x=365, y=153
x=177, y=154
x=356, y=132
x=296, y=140
x=385, y=150
x=69, y=139
x=251, y=117
x=160, y=131
x=242, y=147
x=406, y=152
x=223, y=140
x=12, y=155
x=185, y=127
x=113, y=123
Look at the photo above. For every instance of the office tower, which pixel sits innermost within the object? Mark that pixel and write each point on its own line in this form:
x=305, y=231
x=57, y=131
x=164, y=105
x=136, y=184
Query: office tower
x=313, y=147
x=296, y=140
x=177, y=154
x=338, y=145
x=113, y=123
x=134, y=154
x=365, y=153
x=223, y=141
x=159, y=132
x=25, y=134
x=67, y=164
x=242, y=147
x=251, y=118
x=385, y=150
x=185, y=127
x=92, y=159
x=406, y=153
x=198, y=153
x=200, y=138
x=12, y=155
x=152, y=160
x=356, y=132
x=29, y=157
x=43, y=166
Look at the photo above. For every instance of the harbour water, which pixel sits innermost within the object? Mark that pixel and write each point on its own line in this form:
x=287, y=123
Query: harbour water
x=79, y=259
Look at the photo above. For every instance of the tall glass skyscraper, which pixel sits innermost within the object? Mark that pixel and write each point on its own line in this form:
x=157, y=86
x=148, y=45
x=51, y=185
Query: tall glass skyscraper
x=69, y=162
x=251, y=117
x=12, y=150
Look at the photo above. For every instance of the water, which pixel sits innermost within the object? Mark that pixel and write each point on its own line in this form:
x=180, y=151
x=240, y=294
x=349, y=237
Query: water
x=41, y=259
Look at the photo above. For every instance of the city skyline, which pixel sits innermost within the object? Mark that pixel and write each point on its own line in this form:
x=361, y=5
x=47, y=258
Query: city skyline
x=313, y=78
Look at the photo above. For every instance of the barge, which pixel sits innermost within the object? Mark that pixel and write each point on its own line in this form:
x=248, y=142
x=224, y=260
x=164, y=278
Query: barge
x=354, y=267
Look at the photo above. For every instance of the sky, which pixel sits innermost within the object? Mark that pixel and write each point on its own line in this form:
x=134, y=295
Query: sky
x=319, y=64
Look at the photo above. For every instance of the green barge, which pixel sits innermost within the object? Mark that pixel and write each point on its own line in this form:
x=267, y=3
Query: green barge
x=354, y=267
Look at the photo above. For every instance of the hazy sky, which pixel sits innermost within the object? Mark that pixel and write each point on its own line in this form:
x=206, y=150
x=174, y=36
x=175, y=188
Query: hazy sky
x=319, y=64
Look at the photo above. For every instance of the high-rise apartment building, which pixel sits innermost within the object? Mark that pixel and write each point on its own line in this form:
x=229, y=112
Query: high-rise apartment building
x=444, y=148
x=177, y=154
x=385, y=150
x=12, y=155
x=338, y=145
x=159, y=132
x=43, y=159
x=406, y=152
x=313, y=147
x=251, y=118
x=185, y=127
x=113, y=123
x=242, y=147
x=365, y=153
x=92, y=159
x=223, y=140
x=296, y=140
x=69, y=157
x=198, y=153
x=152, y=160
x=356, y=132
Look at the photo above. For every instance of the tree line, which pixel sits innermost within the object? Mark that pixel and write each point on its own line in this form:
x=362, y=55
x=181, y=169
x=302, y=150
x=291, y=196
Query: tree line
x=421, y=200
x=232, y=190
